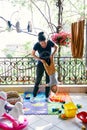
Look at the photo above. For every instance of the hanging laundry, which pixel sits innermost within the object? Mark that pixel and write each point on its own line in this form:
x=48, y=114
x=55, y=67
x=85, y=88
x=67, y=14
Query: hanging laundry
x=77, y=40
x=86, y=47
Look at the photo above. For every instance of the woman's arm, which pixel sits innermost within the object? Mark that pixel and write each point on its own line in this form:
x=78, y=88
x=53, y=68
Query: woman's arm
x=55, y=50
x=35, y=56
x=38, y=58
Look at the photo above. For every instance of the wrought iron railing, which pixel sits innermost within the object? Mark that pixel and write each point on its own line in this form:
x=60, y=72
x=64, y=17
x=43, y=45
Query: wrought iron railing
x=72, y=70
x=21, y=70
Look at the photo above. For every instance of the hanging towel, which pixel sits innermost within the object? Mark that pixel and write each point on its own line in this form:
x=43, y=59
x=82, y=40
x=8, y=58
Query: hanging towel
x=77, y=40
x=50, y=69
x=74, y=38
x=86, y=49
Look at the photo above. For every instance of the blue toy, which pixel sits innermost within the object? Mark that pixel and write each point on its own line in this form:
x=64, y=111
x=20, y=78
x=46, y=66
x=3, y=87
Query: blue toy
x=27, y=95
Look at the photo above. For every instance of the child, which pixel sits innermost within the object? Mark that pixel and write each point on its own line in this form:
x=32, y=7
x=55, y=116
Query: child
x=50, y=69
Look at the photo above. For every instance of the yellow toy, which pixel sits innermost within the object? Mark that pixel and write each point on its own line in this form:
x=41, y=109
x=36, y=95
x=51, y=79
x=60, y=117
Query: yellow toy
x=70, y=109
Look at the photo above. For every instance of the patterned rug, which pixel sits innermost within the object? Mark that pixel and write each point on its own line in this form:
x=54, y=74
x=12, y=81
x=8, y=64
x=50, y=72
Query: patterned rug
x=40, y=106
x=60, y=97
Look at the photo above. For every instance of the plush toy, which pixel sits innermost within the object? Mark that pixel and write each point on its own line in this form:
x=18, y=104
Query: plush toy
x=16, y=110
x=13, y=97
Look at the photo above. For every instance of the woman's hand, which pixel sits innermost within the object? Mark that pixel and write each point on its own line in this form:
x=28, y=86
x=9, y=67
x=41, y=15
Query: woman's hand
x=51, y=57
x=43, y=61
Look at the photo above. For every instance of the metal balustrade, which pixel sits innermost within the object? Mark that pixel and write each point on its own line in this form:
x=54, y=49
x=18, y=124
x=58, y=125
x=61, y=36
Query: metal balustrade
x=72, y=70
x=21, y=70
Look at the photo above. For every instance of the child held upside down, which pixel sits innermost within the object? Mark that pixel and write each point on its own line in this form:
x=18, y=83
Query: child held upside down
x=50, y=69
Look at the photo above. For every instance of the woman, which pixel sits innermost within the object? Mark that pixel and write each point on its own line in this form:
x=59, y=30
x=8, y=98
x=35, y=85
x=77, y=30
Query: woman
x=44, y=48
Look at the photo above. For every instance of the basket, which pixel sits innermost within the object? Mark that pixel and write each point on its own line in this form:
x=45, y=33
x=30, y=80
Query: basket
x=70, y=109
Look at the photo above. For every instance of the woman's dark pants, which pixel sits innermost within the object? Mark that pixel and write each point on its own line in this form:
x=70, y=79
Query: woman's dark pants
x=39, y=74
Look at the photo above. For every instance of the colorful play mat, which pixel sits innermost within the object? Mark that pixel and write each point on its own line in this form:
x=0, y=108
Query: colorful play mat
x=40, y=106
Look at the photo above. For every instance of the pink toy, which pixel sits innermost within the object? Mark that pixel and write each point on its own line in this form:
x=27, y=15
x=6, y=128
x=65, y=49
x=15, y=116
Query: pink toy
x=15, y=124
x=11, y=120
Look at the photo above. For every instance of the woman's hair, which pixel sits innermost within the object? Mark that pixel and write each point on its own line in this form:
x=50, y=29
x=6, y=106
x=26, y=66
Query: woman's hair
x=41, y=37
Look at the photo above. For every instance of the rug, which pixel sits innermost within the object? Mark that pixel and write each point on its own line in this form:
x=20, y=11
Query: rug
x=58, y=100
x=55, y=108
x=41, y=107
x=60, y=97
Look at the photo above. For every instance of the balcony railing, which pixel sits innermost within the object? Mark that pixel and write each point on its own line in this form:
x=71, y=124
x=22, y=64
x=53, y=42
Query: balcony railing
x=21, y=70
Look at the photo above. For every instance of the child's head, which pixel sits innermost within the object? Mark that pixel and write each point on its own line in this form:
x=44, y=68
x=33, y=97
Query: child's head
x=54, y=88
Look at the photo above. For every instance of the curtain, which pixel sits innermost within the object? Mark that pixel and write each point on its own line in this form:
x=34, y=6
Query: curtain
x=77, y=40
x=86, y=50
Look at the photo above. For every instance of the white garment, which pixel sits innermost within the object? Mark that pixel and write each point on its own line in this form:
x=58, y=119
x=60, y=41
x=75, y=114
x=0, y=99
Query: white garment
x=53, y=80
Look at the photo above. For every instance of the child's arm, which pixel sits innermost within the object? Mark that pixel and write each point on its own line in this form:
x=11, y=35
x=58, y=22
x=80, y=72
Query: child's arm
x=50, y=69
x=46, y=66
x=43, y=61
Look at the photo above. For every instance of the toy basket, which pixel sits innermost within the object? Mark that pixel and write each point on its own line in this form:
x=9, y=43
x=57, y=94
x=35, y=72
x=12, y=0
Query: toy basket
x=70, y=109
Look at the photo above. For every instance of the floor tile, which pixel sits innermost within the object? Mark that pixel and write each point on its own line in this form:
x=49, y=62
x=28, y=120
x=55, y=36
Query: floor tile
x=79, y=99
x=28, y=128
x=67, y=125
x=42, y=125
x=32, y=119
x=51, y=118
x=55, y=128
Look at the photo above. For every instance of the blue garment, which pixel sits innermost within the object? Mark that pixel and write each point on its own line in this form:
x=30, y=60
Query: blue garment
x=44, y=53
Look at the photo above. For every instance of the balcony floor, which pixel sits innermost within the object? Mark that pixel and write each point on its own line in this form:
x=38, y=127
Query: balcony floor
x=52, y=122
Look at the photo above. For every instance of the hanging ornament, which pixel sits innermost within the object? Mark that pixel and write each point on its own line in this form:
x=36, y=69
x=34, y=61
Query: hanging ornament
x=17, y=26
x=9, y=24
x=29, y=27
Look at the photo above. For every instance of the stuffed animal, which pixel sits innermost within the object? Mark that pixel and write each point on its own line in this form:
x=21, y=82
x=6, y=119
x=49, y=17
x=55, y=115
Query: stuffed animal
x=13, y=97
x=16, y=110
